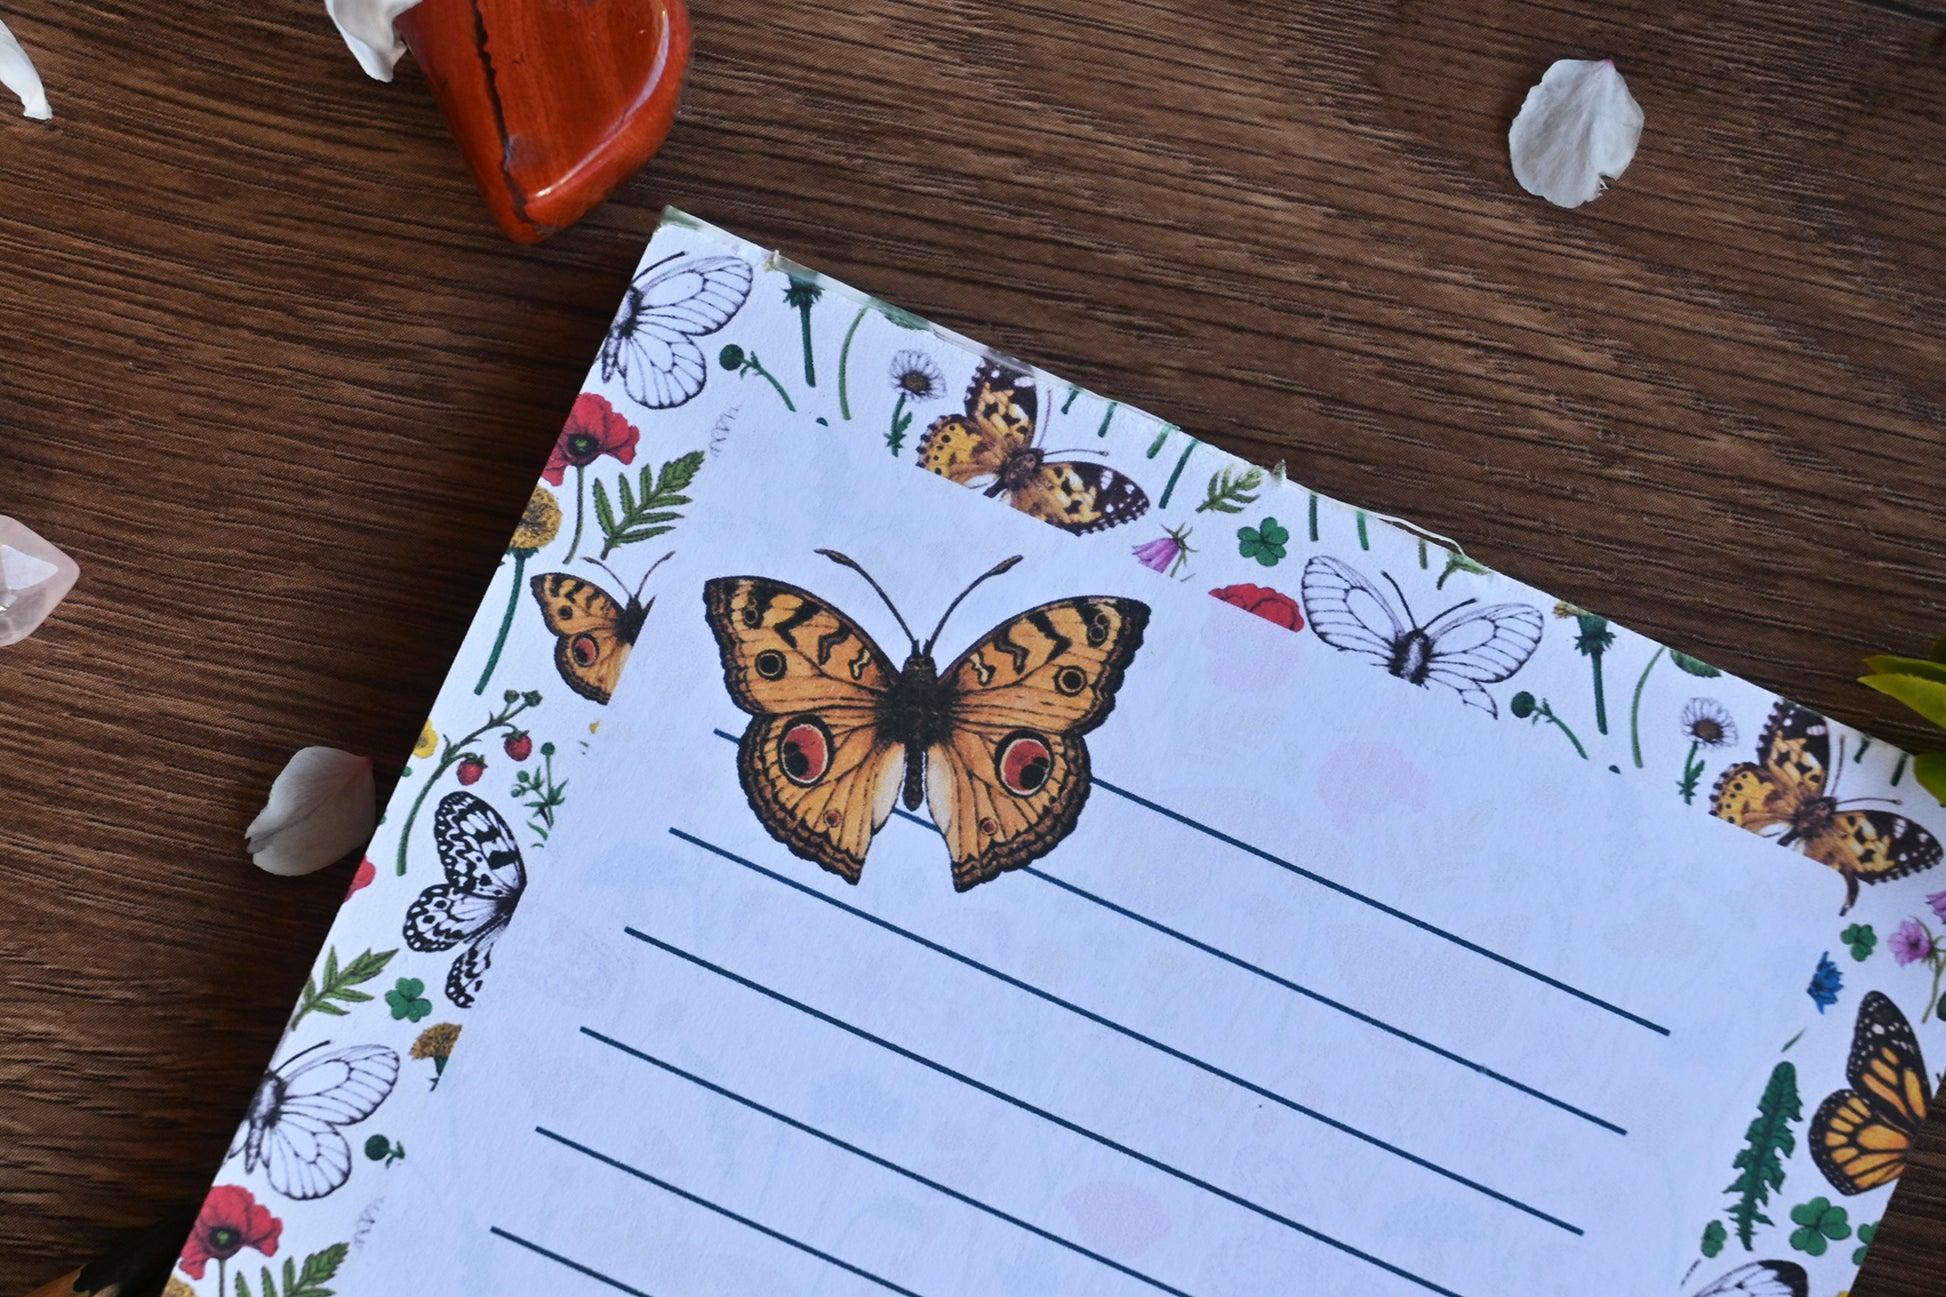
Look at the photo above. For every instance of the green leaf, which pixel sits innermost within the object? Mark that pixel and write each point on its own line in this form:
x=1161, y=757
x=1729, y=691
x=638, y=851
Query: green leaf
x=605, y=512
x=1767, y=1143
x=1938, y=653
x=1693, y=665
x=269, y=1288
x=1714, y=1236
x=242, y=1288
x=1929, y=768
x=1921, y=667
x=339, y=983
x=319, y=1267
x=1927, y=697
x=1230, y=493
x=651, y=513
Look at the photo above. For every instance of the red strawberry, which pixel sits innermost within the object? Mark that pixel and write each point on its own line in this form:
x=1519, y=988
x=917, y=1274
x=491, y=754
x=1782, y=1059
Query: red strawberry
x=470, y=769
x=520, y=745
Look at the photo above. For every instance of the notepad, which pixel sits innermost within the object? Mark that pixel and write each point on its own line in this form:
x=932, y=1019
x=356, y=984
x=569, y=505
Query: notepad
x=901, y=823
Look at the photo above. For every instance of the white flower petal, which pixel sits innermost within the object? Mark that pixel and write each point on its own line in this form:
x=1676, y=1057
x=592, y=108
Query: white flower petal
x=18, y=75
x=1578, y=125
x=321, y=806
x=367, y=27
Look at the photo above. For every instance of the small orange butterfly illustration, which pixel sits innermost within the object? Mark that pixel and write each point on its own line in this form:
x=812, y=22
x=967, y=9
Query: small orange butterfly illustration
x=994, y=744
x=1789, y=794
x=992, y=446
x=594, y=631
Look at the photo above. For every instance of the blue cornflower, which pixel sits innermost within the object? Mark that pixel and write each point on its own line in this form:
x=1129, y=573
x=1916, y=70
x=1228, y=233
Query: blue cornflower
x=1825, y=983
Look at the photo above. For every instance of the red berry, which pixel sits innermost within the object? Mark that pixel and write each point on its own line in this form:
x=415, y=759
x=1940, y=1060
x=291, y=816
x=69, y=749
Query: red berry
x=520, y=745
x=470, y=770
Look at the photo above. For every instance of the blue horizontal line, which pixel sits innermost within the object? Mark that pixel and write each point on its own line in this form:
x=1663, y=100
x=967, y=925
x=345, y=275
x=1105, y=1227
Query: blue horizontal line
x=556, y=1257
x=1052, y=1119
x=1323, y=999
x=1349, y=892
x=1379, y=905
x=1132, y=1034
x=723, y=1211
x=876, y=1160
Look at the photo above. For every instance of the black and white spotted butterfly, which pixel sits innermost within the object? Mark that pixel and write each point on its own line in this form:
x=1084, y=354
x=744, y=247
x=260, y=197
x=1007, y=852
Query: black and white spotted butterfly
x=1462, y=648
x=484, y=880
x=1761, y=1279
x=652, y=343
x=291, y=1130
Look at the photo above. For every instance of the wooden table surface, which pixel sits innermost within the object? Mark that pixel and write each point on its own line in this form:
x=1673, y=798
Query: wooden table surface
x=269, y=374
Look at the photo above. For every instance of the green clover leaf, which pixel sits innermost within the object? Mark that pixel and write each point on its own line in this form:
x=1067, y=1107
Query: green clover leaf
x=1861, y=939
x=1818, y=1221
x=1265, y=542
x=407, y=1000
x=1866, y=1233
x=1714, y=1237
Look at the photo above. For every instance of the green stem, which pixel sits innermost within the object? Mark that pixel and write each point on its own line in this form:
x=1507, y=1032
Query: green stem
x=222, y=1275
x=1898, y=770
x=1635, y=708
x=1155, y=447
x=580, y=495
x=1314, y=517
x=810, y=368
x=506, y=623
x=1170, y=488
x=895, y=435
x=1107, y=417
x=758, y=366
x=844, y=361
x=454, y=751
x=1364, y=541
x=1073, y=392
x=1691, y=768
x=1601, y=699
x=1547, y=714
x=1424, y=563
x=1938, y=962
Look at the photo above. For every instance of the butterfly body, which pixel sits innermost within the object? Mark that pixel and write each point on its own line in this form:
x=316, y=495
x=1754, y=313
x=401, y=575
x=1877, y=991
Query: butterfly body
x=992, y=447
x=594, y=631
x=993, y=745
x=291, y=1128
x=1463, y=648
x=485, y=880
x=1860, y=1136
x=1788, y=794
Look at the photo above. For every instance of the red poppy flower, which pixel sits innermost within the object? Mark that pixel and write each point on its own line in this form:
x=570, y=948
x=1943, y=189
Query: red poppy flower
x=593, y=430
x=230, y=1221
x=361, y=878
x=1265, y=602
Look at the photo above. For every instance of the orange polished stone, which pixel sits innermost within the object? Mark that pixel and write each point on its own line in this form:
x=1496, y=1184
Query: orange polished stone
x=553, y=102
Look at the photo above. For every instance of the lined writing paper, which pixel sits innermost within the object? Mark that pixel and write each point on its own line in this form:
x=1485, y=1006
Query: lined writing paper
x=1329, y=990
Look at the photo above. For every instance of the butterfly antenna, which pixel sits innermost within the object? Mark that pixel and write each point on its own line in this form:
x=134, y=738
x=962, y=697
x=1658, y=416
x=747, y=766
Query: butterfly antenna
x=1403, y=601
x=1002, y=566
x=651, y=572
x=843, y=560
x=1078, y=450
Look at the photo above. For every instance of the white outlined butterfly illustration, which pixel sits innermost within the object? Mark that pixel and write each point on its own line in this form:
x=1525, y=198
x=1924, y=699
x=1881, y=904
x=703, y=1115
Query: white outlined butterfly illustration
x=484, y=881
x=652, y=343
x=291, y=1129
x=1462, y=648
x=1761, y=1279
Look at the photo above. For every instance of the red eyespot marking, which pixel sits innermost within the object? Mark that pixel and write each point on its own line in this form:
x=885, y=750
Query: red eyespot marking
x=583, y=649
x=988, y=827
x=805, y=750
x=832, y=819
x=1023, y=761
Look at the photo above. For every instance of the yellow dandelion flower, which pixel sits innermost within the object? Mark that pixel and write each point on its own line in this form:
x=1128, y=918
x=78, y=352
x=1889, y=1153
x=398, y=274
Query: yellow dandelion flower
x=436, y=1042
x=1564, y=609
x=177, y=1288
x=540, y=523
x=428, y=741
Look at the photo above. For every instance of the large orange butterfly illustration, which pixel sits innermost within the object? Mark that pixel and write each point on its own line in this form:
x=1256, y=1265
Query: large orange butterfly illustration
x=1790, y=794
x=594, y=631
x=1860, y=1136
x=992, y=446
x=994, y=744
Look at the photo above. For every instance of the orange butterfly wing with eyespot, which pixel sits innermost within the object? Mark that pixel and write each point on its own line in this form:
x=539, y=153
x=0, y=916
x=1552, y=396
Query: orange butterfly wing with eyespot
x=1784, y=795
x=594, y=632
x=813, y=763
x=1008, y=782
x=989, y=447
x=1860, y=1136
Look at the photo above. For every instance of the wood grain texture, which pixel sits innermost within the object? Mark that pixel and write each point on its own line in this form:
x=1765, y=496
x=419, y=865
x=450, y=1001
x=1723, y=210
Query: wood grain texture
x=274, y=379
